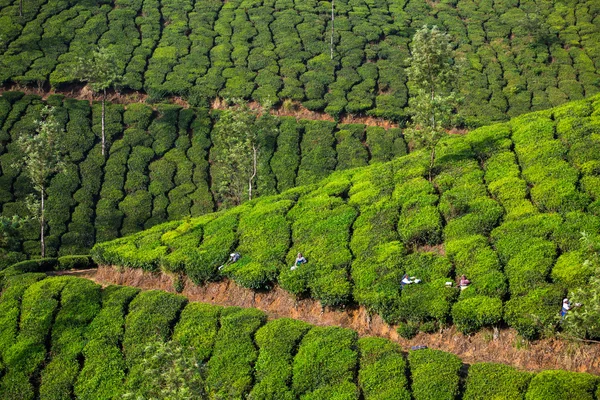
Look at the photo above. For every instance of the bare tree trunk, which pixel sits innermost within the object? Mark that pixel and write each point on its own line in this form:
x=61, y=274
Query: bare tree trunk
x=42, y=240
x=254, y=150
x=332, y=29
x=431, y=162
x=103, y=114
x=20, y=8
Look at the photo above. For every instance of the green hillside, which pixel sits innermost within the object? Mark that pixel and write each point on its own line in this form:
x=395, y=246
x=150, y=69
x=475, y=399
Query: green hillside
x=67, y=337
x=158, y=166
x=506, y=208
x=519, y=56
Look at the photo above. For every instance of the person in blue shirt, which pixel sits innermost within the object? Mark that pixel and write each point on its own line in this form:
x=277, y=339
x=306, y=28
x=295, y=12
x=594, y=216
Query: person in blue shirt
x=299, y=261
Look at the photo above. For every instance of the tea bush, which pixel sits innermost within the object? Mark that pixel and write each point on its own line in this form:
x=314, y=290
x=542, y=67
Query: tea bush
x=487, y=380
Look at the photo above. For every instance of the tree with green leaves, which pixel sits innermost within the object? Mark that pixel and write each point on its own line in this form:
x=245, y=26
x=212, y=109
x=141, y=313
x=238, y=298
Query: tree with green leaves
x=238, y=137
x=583, y=322
x=43, y=156
x=431, y=75
x=101, y=72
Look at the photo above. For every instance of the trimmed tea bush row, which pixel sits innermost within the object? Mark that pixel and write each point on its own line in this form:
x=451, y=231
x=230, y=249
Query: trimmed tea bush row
x=239, y=354
x=79, y=304
x=363, y=229
x=26, y=355
x=279, y=51
x=103, y=373
x=157, y=168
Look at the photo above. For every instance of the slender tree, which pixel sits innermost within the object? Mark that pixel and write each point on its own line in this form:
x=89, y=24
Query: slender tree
x=100, y=72
x=43, y=153
x=332, y=27
x=431, y=74
x=237, y=150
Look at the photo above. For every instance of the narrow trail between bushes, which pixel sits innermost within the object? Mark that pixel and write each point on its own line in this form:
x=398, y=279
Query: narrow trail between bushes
x=502, y=346
x=81, y=92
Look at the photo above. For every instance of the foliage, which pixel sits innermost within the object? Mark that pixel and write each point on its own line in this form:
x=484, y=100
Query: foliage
x=229, y=371
x=382, y=373
x=561, y=384
x=277, y=341
x=326, y=358
x=430, y=78
x=434, y=374
x=43, y=156
x=173, y=372
x=496, y=381
x=100, y=70
x=238, y=138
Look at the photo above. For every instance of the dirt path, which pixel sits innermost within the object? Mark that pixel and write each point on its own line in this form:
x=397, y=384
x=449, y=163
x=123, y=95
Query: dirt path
x=501, y=346
x=294, y=109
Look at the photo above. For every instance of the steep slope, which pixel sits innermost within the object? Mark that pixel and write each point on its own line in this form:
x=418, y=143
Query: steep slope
x=158, y=165
x=506, y=208
x=519, y=56
x=241, y=354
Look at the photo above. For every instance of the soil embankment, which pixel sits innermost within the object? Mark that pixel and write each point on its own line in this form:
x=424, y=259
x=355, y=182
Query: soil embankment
x=502, y=346
x=294, y=109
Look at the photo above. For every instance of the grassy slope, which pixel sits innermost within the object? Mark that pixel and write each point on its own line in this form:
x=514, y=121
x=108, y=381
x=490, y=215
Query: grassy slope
x=506, y=208
x=520, y=56
x=157, y=168
x=241, y=353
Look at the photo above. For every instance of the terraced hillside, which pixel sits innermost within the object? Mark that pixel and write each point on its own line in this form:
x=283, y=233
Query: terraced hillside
x=506, y=208
x=520, y=55
x=159, y=165
x=67, y=337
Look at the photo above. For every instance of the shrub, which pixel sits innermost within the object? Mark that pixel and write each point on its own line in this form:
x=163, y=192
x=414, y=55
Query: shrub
x=218, y=241
x=80, y=302
x=104, y=368
x=326, y=358
x=350, y=151
x=385, y=145
x=535, y=312
x=318, y=153
x=35, y=265
x=286, y=159
x=197, y=329
x=25, y=357
x=264, y=239
x=473, y=313
x=277, y=342
x=434, y=374
x=321, y=232
x=229, y=371
x=550, y=385
x=13, y=288
x=75, y=262
x=382, y=373
x=488, y=381
x=420, y=225
x=571, y=271
x=150, y=317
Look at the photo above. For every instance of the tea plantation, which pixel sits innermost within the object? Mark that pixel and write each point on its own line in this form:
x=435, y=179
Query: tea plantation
x=506, y=208
x=158, y=166
x=519, y=56
x=66, y=337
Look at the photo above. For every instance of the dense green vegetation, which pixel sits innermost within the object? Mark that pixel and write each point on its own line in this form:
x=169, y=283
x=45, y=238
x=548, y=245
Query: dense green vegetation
x=506, y=207
x=519, y=56
x=157, y=167
x=239, y=353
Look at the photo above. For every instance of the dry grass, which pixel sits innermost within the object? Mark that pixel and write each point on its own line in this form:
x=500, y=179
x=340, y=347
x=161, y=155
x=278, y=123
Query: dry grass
x=500, y=345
